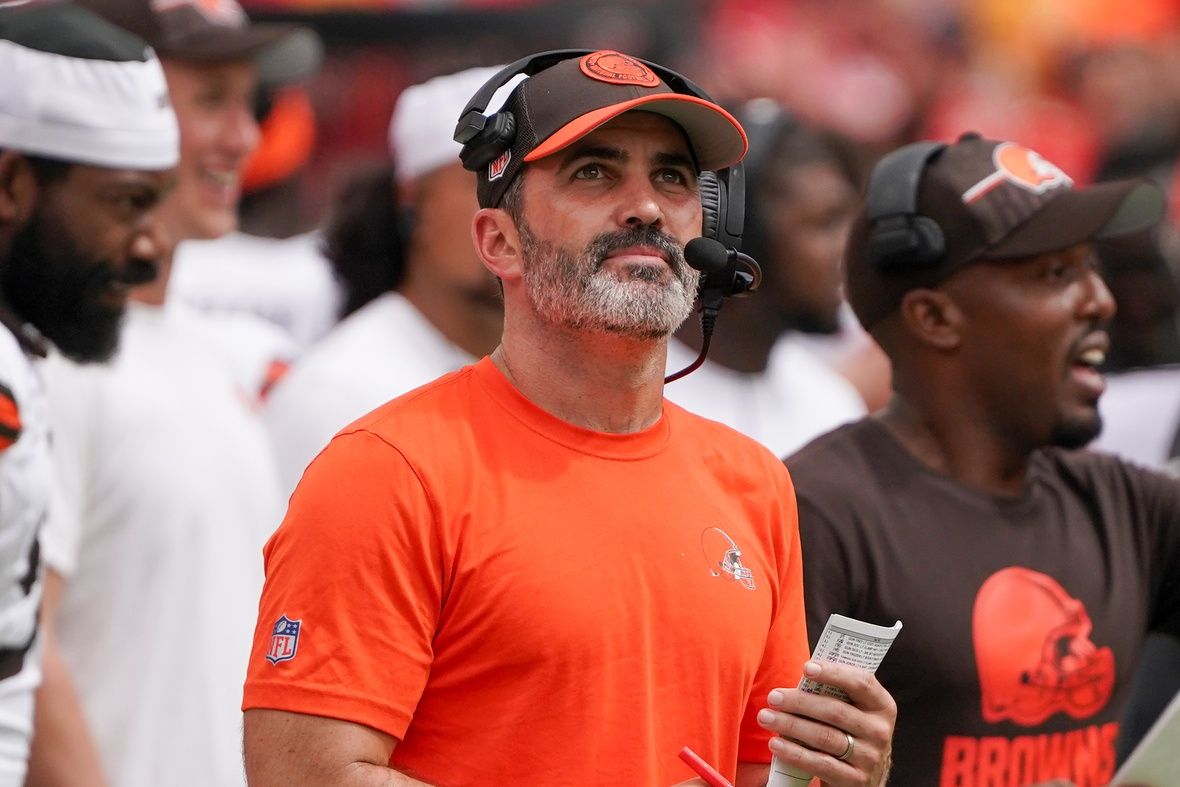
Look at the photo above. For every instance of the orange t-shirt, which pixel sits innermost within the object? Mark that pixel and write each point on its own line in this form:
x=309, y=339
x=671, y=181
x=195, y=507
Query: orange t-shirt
x=519, y=600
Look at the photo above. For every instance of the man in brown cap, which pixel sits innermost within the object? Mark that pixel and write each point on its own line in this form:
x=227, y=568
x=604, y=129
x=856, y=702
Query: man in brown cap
x=167, y=467
x=535, y=569
x=1027, y=572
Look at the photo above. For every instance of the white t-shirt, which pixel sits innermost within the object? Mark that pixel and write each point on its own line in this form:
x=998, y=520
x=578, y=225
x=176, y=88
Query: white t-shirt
x=378, y=352
x=286, y=282
x=1141, y=416
x=172, y=486
x=26, y=501
x=796, y=399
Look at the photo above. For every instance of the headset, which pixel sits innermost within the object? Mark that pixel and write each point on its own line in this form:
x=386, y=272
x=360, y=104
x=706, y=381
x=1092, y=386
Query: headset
x=900, y=238
x=723, y=202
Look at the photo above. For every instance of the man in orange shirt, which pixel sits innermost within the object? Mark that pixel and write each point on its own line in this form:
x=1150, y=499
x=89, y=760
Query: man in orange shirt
x=536, y=569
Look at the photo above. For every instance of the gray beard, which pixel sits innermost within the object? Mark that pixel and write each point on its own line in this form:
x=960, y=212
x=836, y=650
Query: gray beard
x=574, y=292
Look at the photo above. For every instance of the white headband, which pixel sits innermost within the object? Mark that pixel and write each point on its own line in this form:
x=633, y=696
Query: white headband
x=101, y=112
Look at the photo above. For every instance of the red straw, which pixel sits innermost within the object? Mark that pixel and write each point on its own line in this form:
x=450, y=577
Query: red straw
x=704, y=769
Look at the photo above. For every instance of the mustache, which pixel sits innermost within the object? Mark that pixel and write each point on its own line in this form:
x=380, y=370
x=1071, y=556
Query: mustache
x=602, y=246
x=134, y=273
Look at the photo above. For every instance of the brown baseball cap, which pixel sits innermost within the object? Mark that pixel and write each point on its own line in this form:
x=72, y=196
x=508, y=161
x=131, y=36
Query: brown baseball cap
x=558, y=106
x=993, y=200
x=217, y=30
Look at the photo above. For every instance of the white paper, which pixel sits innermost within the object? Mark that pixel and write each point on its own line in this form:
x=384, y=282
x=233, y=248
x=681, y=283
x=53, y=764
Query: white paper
x=844, y=640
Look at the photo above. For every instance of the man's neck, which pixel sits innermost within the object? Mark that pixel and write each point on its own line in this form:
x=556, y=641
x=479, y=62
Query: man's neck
x=593, y=380
x=958, y=444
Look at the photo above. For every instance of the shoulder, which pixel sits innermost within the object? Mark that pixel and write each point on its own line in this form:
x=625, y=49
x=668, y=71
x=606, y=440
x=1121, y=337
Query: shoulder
x=1097, y=472
x=838, y=455
x=715, y=438
x=13, y=374
x=441, y=410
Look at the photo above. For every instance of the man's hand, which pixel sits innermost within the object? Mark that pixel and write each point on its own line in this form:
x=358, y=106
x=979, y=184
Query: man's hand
x=845, y=744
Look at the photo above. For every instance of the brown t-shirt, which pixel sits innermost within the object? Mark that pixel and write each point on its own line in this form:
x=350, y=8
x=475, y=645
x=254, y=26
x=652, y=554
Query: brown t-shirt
x=1023, y=619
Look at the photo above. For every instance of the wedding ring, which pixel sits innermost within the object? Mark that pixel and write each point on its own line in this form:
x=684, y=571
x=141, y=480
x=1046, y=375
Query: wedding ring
x=848, y=751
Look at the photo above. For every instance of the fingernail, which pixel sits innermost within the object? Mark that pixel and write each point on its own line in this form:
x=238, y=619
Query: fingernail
x=812, y=668
x=765, y=717
x=775, y=697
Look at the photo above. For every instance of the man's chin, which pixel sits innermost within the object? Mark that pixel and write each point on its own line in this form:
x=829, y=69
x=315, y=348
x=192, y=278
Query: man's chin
x=1076, y=432
x=92, y=342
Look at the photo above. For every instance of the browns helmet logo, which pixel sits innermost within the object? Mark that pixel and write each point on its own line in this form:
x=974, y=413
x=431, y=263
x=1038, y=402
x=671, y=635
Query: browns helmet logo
x=619, y=69
x=1021, y=167
x=724, y=558
x=1034, y=653
x=497, y=167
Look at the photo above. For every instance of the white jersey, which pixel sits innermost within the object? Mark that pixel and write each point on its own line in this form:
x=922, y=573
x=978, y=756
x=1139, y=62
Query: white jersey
x=378, y=352
x=26, y=500
x=1141, y=416
x=286, y=282
x=795, y=399
x=173, y=491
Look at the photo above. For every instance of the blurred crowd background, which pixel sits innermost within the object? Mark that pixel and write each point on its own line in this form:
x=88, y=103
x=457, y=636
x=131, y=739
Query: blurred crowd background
x=1093, y=85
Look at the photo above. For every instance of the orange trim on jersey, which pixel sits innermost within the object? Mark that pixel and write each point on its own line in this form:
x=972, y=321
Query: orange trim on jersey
x=10, y=423
x=274, y=373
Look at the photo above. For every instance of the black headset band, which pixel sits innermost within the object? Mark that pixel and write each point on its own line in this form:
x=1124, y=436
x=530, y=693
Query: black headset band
x=473, y=118
x=893, y=186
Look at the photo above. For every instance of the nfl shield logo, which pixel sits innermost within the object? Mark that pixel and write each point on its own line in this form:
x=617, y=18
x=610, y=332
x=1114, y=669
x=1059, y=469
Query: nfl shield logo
x=497, y=167
x=284, y=640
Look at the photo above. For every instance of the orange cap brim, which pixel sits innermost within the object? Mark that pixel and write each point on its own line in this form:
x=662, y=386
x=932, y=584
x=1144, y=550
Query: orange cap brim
x=717, y=138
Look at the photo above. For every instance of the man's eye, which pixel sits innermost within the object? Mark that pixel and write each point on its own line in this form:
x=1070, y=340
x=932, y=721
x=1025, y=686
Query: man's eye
x=133, y=203
x=672, y=176
x=589, y=172
x=210, y=99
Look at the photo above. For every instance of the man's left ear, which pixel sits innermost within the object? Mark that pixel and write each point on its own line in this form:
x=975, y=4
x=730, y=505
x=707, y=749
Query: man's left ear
x=497, y=242
x=18, y=188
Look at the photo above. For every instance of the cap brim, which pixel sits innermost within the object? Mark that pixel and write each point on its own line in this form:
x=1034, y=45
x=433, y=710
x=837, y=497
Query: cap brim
x=717, y=138
x=283, y=52
x=1105, y=210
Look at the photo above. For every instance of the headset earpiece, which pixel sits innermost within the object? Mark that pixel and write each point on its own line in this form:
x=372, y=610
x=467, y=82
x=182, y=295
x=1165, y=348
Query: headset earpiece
x=900, y=238
x=713, y=200
x=490, y=142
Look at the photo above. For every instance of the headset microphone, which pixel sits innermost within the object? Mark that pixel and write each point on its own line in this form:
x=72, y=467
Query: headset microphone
x=725, y=272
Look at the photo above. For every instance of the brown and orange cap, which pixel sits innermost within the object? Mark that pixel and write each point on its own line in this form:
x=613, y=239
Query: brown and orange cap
x=995, y=200
x=207, y=31
x=558, y=106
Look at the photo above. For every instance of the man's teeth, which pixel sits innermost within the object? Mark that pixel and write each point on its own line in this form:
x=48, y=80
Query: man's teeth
x=223, y=178
x=1093, y=357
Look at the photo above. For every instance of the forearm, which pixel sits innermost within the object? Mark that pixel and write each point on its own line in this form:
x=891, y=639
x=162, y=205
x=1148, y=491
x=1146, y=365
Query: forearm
x=358, y=774
x=63, y=753
x=296, y=750
x=369, y=775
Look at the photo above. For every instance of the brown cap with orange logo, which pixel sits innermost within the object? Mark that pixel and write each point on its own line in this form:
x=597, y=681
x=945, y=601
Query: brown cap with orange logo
x=207, y=31
x=995, y=200
x=565, y=102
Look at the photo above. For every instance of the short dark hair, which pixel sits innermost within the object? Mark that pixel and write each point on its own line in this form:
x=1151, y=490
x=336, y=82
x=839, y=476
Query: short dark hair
x=513, y=200
x=365, y=238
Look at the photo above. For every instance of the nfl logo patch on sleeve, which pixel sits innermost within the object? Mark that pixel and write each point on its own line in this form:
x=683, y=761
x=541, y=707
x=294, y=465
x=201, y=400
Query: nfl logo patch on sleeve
x=284, y=640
